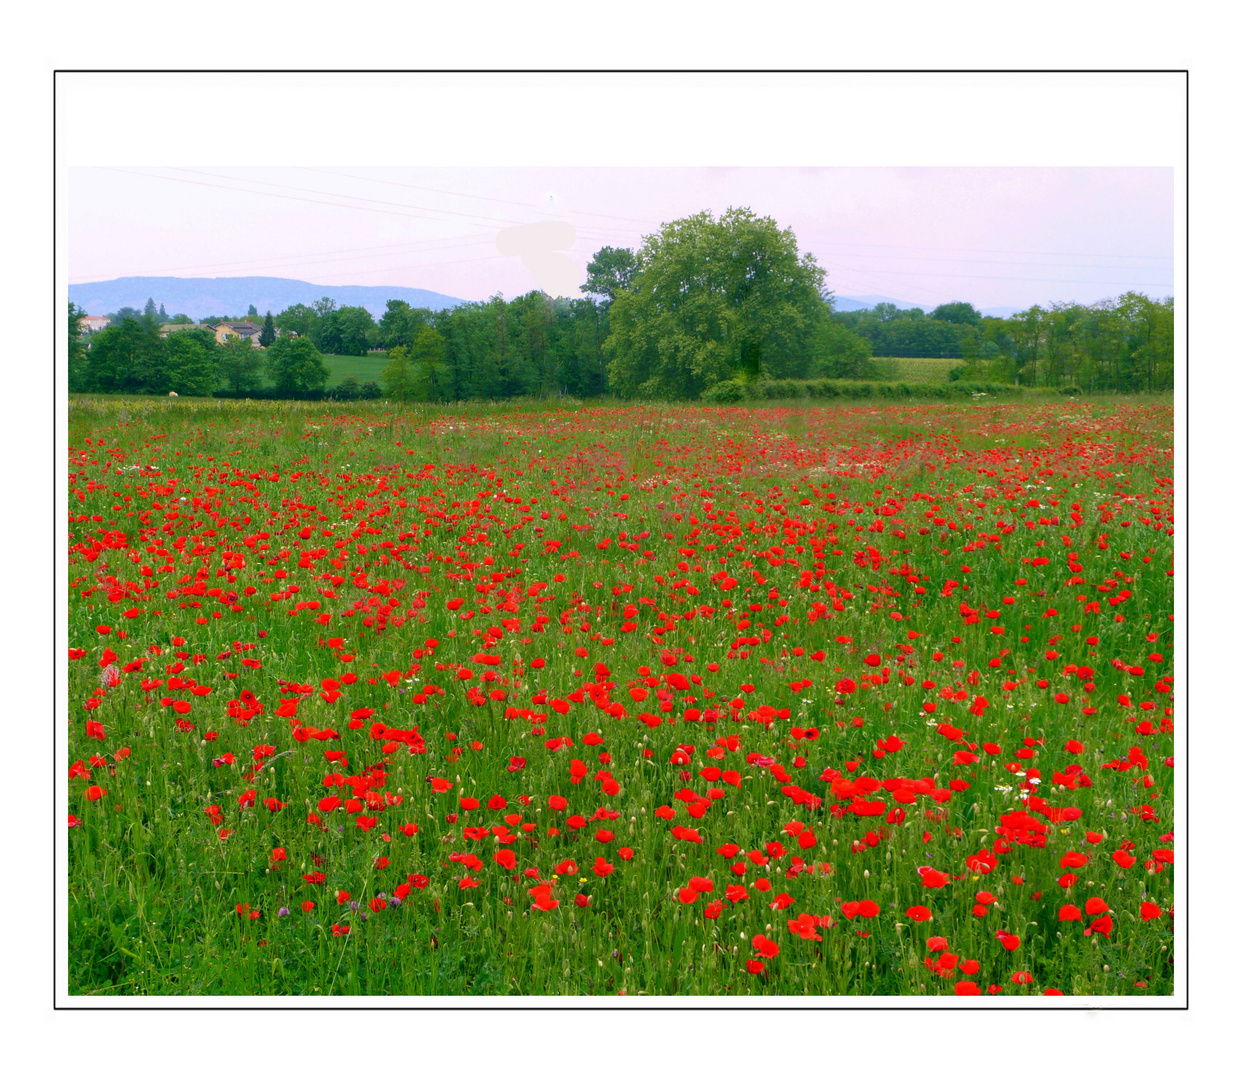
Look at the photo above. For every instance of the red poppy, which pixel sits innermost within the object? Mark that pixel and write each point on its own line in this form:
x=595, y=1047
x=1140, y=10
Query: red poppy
x=765, y=946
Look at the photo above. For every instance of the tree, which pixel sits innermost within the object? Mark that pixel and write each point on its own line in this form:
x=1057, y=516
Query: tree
x=149, y=313
x=251, y=311
x=354, y=329
x=400, y=322
x=839, y=353
x=610, y=272
x=398, y=378
x=299, y=318
x=77, y=350
x=193, y=368
x=431, y=376
x=958, y=312
x=711, y=300
x=239, y=363
x=128, y=358
x=163, y=314
x=296, y=366
x=268, y=334
x=123, y=314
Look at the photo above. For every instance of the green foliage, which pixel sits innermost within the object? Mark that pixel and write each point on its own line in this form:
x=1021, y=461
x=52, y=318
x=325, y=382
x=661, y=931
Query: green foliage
x=123, y=314
x=839, y=353
x=431, y=377
x=400, y=323
x=127, y=358
x=610, y=272
x=239, y=363
x=298, y=318
x=295, y=366
x=958, y=312
x=193, y=366
x=398, y=377
x=349, y=331
x=78, y=373
x=713, y=299
x=268, y=334
x=346, y=390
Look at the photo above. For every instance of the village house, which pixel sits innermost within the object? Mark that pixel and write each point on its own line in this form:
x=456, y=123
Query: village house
x=169, y=328
x=91, y=324
x=246, y=330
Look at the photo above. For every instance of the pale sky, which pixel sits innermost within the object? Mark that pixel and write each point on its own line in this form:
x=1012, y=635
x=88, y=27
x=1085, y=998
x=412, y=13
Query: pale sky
x=994, y=236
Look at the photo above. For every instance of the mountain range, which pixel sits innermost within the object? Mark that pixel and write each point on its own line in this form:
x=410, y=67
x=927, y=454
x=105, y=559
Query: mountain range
x=203, y=297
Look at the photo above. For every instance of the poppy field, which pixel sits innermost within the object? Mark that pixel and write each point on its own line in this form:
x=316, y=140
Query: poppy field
x=649, y=700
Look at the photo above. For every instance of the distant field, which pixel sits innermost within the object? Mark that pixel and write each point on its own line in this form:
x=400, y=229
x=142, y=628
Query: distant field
x=915, y=369
x=363, y=368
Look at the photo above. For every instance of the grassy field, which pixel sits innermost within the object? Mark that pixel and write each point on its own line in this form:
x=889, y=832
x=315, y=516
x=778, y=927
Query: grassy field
x=526, y=699
x=915, y=370
x=367, y=368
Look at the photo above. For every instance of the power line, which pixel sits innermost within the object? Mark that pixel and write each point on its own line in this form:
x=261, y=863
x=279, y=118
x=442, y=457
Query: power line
x=340, y=195
x=1000, y=251
x=989, y=262
x=466, y=195
x=1008, y=277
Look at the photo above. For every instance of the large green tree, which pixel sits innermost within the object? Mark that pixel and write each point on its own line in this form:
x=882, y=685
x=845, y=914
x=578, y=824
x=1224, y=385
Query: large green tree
x=296, y=366
x=128, y=358
x=714, y=299
x=193, y=368
x=240, y=364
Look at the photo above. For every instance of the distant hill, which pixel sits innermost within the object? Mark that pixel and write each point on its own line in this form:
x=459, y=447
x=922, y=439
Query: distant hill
x=202, y=297
x=860, y=303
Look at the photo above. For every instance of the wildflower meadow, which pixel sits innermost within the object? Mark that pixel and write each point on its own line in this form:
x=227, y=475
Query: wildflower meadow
x=576, y=700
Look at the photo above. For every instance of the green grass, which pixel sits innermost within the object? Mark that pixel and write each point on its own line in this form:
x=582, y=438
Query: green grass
x=367, y=368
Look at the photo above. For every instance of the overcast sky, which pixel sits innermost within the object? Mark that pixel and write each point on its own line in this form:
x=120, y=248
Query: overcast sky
x=994, y=236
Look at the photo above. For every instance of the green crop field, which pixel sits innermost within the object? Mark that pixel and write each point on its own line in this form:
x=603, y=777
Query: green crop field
x=908, y=369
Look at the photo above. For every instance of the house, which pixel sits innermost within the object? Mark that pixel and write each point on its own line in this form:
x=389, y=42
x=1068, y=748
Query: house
x=246, y=330
x=169, y=328
x=90, y=324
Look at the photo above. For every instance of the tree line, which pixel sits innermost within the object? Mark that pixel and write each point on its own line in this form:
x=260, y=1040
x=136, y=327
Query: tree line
x=1122, y=344
x=702, y=302
x=131, y=357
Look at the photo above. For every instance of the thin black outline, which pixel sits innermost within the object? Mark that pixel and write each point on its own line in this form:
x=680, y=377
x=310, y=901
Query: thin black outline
x=884, y=1008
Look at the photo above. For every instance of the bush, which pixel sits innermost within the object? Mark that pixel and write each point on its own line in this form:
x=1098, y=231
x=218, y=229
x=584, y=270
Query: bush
x=1071, y=389
x=729, y=392
x=346, y=390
